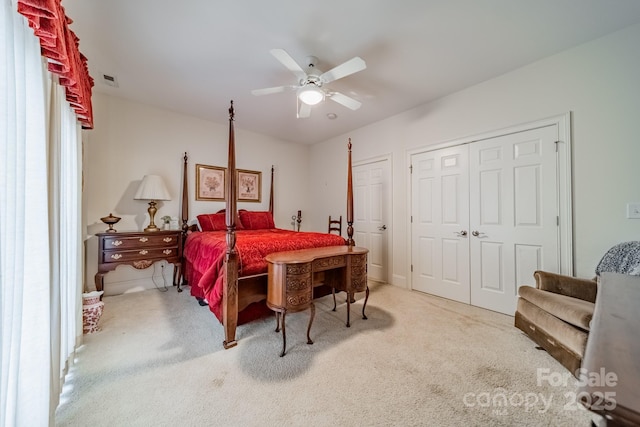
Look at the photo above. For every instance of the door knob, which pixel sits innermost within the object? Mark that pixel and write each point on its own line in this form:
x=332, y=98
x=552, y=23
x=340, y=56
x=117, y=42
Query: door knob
x=383, y=227
x=476, y=233
x=461, y=233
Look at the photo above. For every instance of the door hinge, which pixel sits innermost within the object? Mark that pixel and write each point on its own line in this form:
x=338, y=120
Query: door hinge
x=557, y=142
x=412, y=268
x=410, y=168
x=558, y=221
x=411, y=219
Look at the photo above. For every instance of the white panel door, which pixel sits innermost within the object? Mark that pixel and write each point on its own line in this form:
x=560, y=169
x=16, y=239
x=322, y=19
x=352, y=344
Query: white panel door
x=372, y=214
x=440, y=219
x=513, y=214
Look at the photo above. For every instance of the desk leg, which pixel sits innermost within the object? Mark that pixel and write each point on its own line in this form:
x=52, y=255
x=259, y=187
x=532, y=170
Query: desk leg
x=311, y=316
x=333, y=292
x=366, y=298
x=349, y=297
x=284, y=335
x=277, y=321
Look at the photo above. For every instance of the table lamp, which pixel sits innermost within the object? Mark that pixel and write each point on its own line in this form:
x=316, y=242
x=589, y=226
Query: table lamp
x=152, y=188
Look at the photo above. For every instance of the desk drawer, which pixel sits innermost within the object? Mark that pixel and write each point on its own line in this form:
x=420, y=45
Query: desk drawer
x=298, y=299
x=139, y=254
x=359, y=273
x=329, y=263
x=146, y=241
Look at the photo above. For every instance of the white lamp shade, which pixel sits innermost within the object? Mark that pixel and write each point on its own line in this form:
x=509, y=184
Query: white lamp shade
x=152, y=188
x=310, y=94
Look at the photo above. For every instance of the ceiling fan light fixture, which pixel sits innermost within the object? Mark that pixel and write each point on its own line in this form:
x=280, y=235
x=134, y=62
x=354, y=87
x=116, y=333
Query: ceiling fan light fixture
x=310, y=94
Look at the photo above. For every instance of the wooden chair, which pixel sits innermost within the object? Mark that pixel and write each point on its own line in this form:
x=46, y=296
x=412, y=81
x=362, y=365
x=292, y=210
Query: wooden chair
x=335, y=225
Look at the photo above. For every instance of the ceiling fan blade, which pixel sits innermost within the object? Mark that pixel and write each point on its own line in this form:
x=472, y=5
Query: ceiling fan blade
x=286, y=60
x=304, y=110
x=351, y=66
x=345, y=100
x=268, y=90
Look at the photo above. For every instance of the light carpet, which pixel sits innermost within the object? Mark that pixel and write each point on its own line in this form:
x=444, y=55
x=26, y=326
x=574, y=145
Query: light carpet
x=418, y=360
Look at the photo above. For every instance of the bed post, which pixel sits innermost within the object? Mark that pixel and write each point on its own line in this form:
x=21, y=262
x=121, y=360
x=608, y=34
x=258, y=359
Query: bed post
x=350, y=241
x=271, y=193
x=185, y=196
x=185, y=216
x=230, y=289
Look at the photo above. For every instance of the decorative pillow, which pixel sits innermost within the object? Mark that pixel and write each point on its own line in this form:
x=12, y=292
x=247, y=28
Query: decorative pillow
x=212, y=222
x=257, y=220
x=216, y=222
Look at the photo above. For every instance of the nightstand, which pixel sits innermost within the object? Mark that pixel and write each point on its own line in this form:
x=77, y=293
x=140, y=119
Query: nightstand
x=139, y=250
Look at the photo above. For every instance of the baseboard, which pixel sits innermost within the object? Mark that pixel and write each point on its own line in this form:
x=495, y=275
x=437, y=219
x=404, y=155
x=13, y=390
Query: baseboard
x=399, y=281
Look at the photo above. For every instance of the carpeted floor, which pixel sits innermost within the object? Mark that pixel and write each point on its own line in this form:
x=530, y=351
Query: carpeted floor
x=418, y=360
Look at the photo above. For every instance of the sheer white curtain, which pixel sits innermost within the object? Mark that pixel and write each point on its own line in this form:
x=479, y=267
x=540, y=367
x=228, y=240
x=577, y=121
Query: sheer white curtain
x=65, y=200
x=40, y=257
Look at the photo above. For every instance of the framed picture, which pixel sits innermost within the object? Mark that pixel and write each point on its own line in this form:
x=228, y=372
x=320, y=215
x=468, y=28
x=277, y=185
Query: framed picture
x=249, y=186
x=210, y=184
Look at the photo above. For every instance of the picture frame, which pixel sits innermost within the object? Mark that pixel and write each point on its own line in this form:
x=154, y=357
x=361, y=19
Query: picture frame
x=210, y=182
x=249, y=185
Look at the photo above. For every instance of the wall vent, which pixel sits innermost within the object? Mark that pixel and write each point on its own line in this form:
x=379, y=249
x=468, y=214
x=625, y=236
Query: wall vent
x=110, y=80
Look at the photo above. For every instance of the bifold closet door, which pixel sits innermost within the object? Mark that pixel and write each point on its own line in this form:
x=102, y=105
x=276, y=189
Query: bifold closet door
x=440, y=221
x=513, y=214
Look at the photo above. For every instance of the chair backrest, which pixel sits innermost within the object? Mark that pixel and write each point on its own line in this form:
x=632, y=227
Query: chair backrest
x=623, y=258
x=335, y=225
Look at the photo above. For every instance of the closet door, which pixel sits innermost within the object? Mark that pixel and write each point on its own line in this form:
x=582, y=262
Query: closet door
x=513, y=214
x=372, y=182
x=440, y=218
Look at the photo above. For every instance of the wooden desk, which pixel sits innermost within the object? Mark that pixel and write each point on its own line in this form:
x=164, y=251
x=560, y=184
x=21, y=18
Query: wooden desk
x=610, y=372
x=293, y=275
x=139, y=250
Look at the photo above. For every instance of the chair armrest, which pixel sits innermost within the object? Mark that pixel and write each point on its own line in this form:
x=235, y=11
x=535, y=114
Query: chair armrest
x=584, y=289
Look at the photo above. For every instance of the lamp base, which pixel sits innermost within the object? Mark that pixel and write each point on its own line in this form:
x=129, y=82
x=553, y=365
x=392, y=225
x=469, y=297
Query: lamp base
x=152, y=213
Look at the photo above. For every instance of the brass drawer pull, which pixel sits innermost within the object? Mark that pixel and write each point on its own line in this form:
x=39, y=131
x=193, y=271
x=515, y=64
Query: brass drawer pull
x=116, y=256
x=143, y=252
x=167, y=239
x=144, y=239
x=116, y=242
x=167, y=251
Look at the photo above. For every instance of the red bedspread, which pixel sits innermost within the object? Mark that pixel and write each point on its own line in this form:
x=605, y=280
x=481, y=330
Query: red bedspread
x=204, y=254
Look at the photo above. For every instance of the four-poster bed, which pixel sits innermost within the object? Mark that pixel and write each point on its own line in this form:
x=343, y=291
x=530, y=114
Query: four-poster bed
x=224, y=262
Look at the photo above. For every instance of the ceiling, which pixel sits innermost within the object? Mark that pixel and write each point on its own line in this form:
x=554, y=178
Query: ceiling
x=194, y=56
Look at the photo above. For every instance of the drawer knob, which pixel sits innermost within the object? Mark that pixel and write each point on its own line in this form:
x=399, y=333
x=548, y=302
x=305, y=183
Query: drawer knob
x=167, y=239
x=116, y=256
x=143, y=252
x=144, y=239
x=116, y=242
x=166, y=251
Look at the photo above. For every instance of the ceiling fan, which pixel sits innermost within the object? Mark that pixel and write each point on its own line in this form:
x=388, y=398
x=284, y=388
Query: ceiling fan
x=310, y=90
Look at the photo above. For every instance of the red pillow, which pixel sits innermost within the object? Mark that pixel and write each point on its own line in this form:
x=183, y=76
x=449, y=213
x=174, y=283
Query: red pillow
x=252, y=220
x=216, y=222
x=212, y=222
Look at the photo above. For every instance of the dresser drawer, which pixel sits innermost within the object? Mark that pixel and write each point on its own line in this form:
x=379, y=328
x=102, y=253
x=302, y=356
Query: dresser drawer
x=138, y=254
x=128, y=242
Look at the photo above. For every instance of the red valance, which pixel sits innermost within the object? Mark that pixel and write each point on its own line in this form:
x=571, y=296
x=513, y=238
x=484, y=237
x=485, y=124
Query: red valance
x=60, y=46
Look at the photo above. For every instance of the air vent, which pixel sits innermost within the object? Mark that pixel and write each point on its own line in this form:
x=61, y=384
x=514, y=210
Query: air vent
x=110, y=80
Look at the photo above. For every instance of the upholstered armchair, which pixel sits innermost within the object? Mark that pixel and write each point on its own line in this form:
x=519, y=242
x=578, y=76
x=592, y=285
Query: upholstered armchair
x=556, y=313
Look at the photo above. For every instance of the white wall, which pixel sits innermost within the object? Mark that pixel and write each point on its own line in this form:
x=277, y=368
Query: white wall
x=598, y=82
x=131, y=139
